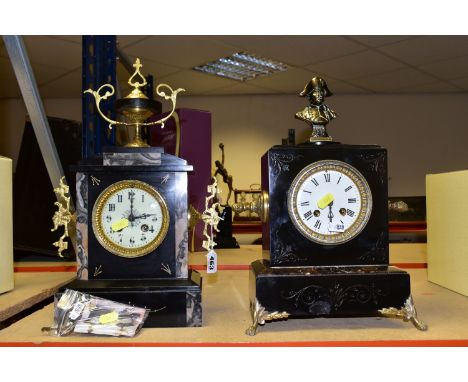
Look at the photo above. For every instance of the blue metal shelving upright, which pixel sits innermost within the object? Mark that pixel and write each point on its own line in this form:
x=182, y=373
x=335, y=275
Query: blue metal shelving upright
x=99, y=68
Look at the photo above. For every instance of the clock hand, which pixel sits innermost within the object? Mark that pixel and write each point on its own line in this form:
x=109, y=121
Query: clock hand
x=131, y=217
x=330, y=213
x=144, y=216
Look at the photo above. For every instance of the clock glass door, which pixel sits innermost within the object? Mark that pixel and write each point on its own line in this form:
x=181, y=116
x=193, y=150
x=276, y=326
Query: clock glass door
x=329, y=202
x=130, y=218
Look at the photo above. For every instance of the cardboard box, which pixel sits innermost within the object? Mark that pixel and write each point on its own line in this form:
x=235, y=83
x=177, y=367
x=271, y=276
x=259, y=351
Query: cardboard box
x=447, y=230
x=187, y=134
x=6, y=225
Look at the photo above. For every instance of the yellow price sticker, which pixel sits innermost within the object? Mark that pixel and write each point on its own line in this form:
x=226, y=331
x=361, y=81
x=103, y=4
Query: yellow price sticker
x=119, y=224
x=108, y=317
x=325, y=201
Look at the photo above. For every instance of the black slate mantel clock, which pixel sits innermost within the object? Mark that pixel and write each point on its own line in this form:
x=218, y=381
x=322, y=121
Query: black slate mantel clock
x=132, y=220
x=325, y=229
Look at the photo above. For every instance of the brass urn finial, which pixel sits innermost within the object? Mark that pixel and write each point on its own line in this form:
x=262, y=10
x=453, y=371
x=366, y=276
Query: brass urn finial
x=136, y=92
x=136, y=107
x=317, y=114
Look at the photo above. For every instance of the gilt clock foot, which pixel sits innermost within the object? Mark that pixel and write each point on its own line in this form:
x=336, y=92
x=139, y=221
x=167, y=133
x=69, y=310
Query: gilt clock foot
x=407, y=312
x=252, y=329
x=260, y=315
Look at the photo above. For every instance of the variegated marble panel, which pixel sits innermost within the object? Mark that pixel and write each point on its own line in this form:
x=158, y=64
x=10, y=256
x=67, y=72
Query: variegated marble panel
x=194, y=309
x=181, y=226
x=131, y=159
x=82, y=226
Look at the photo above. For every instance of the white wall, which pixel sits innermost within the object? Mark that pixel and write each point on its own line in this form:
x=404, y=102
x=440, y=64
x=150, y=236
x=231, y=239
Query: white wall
x=423, y=133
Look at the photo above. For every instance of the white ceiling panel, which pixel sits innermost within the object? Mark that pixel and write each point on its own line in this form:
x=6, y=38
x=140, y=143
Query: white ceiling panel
x=45, y=73
x=295, y=50
x=240, y=89
x=448, y=69
x=194, y=82
x=53, y=52
x=349, y=64
x=294, y=80
x=340, y=87
x=70, y=38
x=156, y=69
x=427, y=49
x=68, y=83
x=393, y=81
x=180, y=51
x=433, y=87
x=122, y=41
x=356, y=65
x=125, y=41
x=291, y=81
x=375, y=41
x=42, y=73
x=460, y=83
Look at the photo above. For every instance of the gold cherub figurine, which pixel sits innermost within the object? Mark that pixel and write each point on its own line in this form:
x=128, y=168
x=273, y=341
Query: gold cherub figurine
x=63, y=216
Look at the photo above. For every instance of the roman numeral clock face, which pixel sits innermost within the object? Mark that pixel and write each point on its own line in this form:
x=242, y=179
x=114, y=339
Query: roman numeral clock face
x=130, y=218
x=329, y=202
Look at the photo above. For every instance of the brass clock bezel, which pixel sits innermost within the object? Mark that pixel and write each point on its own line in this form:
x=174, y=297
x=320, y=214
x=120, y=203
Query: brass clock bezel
x=362, y=217
x=100, y=234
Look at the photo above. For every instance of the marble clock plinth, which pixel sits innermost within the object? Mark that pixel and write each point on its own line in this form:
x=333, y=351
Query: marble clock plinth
x=173, y=303
x=283, y=292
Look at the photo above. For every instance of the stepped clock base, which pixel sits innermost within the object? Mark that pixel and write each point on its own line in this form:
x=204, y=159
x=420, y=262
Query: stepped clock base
x=173, y=302
x=308, y=292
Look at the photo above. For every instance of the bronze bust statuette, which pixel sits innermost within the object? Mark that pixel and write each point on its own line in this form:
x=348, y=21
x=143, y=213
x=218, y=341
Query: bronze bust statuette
x=317, y=114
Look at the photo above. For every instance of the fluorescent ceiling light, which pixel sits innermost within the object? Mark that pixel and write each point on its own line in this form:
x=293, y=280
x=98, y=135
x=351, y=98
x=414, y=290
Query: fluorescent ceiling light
x=242, y=67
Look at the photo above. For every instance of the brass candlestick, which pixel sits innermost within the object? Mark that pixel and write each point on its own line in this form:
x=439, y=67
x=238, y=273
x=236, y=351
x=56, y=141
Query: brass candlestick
x=136, y=107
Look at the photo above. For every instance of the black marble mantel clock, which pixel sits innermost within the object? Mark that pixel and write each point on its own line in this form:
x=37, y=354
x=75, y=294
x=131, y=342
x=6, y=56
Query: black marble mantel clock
x=132, y=220
x=324, y=209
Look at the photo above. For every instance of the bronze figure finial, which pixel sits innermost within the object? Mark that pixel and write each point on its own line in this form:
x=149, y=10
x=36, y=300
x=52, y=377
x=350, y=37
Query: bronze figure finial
x=317, y=114
x=221, y=170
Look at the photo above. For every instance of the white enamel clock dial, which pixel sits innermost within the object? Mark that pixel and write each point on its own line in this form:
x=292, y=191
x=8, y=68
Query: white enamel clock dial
x=130, y=218
x=329, y=202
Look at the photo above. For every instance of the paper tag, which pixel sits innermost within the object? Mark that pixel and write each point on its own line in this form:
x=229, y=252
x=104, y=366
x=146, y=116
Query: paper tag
x=77, y=309
x=212, y=262
x=335, y=227
x=108, y=317
x=119, y=224
x=325, y=201
x=63, y=301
